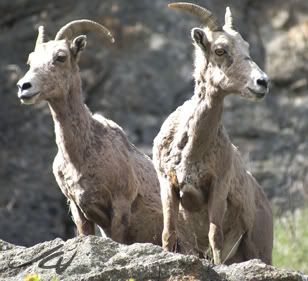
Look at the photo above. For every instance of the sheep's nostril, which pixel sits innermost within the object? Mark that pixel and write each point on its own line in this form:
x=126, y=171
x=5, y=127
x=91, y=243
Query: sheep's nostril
x=26, y=86
x=262, y=82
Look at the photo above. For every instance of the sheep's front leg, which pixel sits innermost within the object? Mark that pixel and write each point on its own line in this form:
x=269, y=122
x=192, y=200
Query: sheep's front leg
x=84, y=226
x=217, y=208
x=170, y=205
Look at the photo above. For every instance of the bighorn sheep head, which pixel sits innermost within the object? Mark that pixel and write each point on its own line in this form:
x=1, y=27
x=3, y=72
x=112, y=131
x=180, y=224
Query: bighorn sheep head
x=224, y=55
x=54, y=64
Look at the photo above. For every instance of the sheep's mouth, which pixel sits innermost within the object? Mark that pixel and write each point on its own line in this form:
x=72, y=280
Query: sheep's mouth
x=257, y=95
x=29, y=97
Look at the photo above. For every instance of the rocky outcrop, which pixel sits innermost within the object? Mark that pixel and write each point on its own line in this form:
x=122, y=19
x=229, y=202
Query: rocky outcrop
x=96, y=259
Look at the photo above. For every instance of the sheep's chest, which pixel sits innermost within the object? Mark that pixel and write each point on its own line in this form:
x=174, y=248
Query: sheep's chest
x=193, y=228
x=192, y=183
x=67, y=177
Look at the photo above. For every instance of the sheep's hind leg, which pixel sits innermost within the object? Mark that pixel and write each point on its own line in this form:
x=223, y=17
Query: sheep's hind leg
x=120, y=221
x=84, y=226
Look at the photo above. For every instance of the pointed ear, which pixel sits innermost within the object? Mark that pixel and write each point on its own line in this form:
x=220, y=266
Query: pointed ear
x=199, y=37
x=78, y=45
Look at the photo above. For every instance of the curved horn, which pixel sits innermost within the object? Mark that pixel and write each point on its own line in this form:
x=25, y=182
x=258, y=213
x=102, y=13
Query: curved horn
x=228, y=19
x=205, y=15
x=80, y=26
x=41, y=37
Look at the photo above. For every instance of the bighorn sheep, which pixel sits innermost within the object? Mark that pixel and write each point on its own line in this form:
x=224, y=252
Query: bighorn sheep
x=208, y=196
x=106, y=180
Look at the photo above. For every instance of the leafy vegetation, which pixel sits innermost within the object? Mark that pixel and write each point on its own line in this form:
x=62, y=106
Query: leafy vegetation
x=32, y=277
x=291, y=241
x=36, y=277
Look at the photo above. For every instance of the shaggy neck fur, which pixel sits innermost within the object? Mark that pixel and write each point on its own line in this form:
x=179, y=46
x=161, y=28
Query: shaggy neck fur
x=205, y=120
x=72, y=121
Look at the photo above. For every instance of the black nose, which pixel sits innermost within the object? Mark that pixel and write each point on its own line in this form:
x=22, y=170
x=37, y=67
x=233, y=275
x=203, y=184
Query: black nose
x=262, y=82
x=26, y=86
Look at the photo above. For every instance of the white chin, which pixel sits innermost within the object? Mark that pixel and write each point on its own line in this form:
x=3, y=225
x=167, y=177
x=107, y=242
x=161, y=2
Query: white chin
x=249, y=95
x=30, y=101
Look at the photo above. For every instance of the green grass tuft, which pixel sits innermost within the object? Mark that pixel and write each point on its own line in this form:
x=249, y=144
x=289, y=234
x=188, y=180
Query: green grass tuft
x=291, y=241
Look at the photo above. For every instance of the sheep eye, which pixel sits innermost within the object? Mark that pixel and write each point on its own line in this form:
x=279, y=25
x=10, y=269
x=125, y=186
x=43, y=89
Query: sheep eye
x=61, y=58
x=220, y=52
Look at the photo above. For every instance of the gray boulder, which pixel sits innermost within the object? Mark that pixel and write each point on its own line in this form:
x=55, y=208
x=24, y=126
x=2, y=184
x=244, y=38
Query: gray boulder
x=96, y=259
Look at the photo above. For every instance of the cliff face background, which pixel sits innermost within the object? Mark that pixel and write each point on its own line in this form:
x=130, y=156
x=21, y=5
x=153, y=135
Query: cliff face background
x=138, y=82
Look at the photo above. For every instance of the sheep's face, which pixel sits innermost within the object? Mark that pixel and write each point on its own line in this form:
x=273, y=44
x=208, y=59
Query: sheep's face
x=52, y=69
x=229, y=65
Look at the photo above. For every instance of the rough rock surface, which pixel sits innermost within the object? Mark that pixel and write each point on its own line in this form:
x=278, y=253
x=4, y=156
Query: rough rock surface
x=96, y=259
x=137, y=82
